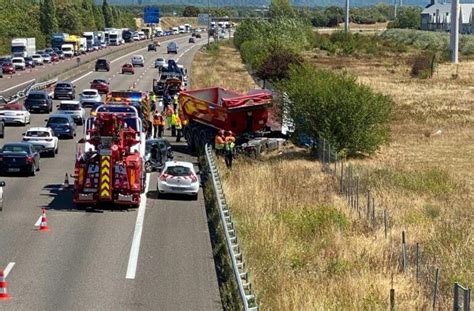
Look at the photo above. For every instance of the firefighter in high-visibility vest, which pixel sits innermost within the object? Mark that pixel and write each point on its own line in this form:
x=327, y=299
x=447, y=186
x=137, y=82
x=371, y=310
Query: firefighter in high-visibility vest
x=173, y=120
x=169, y=112
x=158, y=124
x=179, y=128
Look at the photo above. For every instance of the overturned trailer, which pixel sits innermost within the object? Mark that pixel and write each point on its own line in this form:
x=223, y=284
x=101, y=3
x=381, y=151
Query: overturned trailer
x=206, y=111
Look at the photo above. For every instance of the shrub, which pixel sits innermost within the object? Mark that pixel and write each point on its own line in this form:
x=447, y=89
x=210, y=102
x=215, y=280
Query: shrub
x=276, y=66
x=331, y=105
x=423, y=65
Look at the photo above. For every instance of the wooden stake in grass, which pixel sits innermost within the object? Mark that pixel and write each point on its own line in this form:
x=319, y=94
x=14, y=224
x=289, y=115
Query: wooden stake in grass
x=435, y=290
x=404, y=252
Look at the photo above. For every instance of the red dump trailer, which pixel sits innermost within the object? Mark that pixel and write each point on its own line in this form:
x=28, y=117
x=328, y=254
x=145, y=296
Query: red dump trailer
x=205, y=111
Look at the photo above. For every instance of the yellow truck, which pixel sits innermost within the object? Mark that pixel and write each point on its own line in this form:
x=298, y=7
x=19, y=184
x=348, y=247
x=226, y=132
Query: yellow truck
x=75, y=42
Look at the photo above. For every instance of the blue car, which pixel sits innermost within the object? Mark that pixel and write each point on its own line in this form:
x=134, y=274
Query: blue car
x=63, y=125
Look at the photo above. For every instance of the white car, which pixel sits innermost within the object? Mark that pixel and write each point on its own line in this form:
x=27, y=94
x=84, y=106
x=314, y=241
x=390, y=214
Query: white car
x=138, y=60
x=89, y=97
x=43, y=139
x=74, y=109
x=178, y=177
x=15, y=114
x=46, y=58
x=136, y=37
x=19, y=63
x=38, y=59
x=160, y=62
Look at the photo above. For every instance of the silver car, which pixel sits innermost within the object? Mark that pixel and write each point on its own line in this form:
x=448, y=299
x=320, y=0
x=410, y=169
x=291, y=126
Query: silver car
x=74, y=109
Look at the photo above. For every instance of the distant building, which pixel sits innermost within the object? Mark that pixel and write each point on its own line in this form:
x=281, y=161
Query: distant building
x=437, y=17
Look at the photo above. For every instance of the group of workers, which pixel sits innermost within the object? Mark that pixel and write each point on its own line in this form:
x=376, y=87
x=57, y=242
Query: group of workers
x=224, y=144
x=169, y=116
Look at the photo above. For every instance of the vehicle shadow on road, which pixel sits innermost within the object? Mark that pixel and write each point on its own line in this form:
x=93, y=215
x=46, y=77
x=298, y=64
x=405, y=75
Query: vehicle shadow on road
x=62, y=201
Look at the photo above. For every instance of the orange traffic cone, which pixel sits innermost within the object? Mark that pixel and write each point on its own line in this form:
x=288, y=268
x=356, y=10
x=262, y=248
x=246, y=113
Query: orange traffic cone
x=44, y=222
x=66, y=182
x=3, y=287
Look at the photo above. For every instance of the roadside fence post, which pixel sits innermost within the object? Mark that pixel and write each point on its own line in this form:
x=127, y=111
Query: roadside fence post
x=435, y=290
x=404, y=252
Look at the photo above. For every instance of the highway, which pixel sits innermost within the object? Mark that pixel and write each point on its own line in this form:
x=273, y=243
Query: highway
x=157, y=257
x=16, y=82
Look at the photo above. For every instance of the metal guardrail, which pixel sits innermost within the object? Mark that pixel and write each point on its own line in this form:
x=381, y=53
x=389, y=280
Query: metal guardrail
x=238, y=266
x=33, y=86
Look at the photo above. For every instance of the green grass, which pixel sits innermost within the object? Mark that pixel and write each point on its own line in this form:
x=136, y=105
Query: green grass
x=431, y=181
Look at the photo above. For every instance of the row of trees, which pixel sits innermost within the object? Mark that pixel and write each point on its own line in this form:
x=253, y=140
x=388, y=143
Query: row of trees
x=39, y=19
x=322, y=103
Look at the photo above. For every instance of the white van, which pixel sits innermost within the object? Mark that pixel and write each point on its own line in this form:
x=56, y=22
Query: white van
x=138, y=60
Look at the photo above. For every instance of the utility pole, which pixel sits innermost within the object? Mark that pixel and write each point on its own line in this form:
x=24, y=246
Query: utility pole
x=208, y=22
x=395, y=8
x=454, y=32
x=346, y=20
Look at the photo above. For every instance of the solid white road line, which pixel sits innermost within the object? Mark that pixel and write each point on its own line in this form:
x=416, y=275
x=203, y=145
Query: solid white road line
x=82, y=77
x=8, y=269
x=38, y=222
x=137, y=236
x=15, y=86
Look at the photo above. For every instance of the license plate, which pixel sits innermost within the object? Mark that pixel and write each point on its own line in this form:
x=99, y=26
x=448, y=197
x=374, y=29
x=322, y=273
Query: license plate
x=177, y=189
x=13, y=170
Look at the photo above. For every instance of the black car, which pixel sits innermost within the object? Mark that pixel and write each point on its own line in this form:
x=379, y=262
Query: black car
x=19, y=158
x=29, y=62
x=192, y=40
x=64, y=89
x=198, y=35
x=166, y=154
x=151, y=47
x=39, y=101
x=102, y=64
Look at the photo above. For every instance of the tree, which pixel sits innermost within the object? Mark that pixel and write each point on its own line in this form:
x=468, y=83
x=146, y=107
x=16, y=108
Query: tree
x=107, y=12
x=277, y=65
x=70, y=20
x=99, y=18
x=191, y=11
x=408, y=17
x=335, y=106
x=280, y=8
x=88, y=19
x=319, y=19
x=48, y=21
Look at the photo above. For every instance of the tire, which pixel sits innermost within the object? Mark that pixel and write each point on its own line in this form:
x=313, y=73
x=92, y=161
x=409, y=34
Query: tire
x=33, y=170
x=56, y=151
x=52, y=153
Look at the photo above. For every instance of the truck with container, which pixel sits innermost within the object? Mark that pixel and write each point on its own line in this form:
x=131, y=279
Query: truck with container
x=148, y=32
x=208, y=110
x=115, y=37
x=23, y=47
x=89, y=36
x=75, y=41
x=83, y=45
x=110, y=166
x=57, y=39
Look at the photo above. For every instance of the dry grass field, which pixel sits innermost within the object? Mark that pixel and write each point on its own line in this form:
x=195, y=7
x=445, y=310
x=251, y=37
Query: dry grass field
x=307, y=251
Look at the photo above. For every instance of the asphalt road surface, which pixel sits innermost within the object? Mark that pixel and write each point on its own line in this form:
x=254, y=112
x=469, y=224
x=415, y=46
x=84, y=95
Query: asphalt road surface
x=156, y=257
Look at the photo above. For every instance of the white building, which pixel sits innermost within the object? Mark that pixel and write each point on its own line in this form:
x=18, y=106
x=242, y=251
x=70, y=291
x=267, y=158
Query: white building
x=437, y=17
